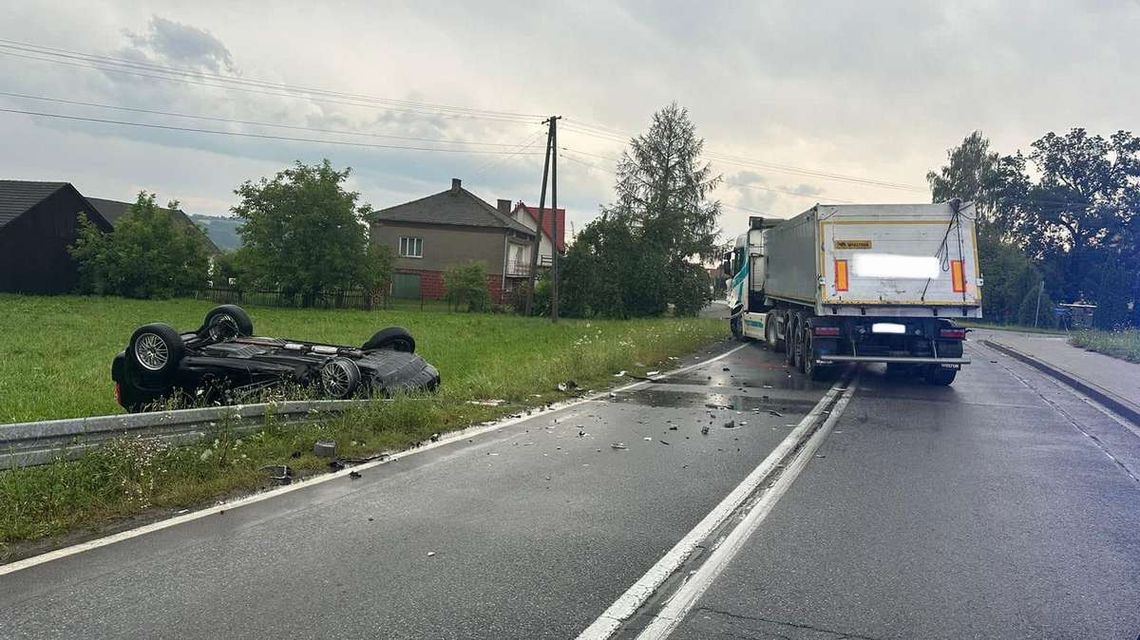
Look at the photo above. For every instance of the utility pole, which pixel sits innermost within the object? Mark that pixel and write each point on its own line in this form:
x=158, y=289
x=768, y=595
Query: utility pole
x=554, y=276
x=541, y=214
x=1037, y=312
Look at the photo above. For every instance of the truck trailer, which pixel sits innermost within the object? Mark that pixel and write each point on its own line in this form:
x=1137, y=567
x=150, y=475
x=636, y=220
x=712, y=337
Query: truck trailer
x=859, y=283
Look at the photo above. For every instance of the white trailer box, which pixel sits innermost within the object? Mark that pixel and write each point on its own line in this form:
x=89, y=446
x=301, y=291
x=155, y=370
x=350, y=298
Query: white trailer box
x=904, y=260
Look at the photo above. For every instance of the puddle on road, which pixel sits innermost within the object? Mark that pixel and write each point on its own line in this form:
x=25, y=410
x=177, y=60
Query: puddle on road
x=693, y=400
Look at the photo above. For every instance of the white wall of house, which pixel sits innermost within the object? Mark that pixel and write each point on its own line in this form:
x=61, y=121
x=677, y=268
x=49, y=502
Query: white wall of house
x=545, y=247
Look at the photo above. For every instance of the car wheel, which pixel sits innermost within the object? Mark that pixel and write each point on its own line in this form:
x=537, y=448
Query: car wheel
x=340, y=378
x=939, y=376
x=155, y=351
x=393, y=338
x=226, y=322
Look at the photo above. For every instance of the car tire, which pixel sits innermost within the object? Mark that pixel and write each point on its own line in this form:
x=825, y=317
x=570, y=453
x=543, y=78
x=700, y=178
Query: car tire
x=225, y=322
x=339, y=378
x=392, y=338
x=154, y=351
x=939, y=376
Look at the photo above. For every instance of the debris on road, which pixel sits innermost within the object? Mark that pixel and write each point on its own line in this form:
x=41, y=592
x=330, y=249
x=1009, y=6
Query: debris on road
x=673, y=428
x=486, y=403
x=430, y=554
x=775, y=413
x=648, y=438
x=618, y=445
x=434, y=437
x=704, y=431
x=619, y=373
x=355, y=475
x=581, y=433
x=663, y=442
x=731, y=424
x=652, y=373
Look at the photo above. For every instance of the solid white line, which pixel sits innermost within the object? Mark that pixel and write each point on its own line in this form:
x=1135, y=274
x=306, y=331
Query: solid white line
x=636, y=595
x=681, y=602
x=303, y=484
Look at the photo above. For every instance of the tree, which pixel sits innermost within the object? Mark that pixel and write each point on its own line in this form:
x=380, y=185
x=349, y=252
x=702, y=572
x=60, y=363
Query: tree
x=376, y=270
x=303, y=232
x=1080, y=213
x=976, y=174
x=1036, y=309
x=467, y=285
x=148, y=255
x=639, y=256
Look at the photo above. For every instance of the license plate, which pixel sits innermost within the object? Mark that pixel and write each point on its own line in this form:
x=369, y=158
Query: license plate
x=888, y=327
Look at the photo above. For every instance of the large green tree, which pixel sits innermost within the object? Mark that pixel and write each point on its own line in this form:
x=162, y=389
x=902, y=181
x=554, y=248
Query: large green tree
x=642, y=255
x=303, y=232
x=1078, y=213
x=975, y=173
x=148, y=255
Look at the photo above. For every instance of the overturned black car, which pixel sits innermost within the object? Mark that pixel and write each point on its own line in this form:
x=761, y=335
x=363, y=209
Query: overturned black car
x=223, y=362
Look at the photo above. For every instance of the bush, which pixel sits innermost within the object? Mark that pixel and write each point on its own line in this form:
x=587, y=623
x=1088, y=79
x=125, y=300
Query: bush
x=467, y=285
x=148, y=255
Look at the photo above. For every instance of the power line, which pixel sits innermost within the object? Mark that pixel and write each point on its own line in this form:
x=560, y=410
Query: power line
x=259, y=136
x=731, y=184
x=249, y=122
x=98, y=59
x=521, y=147
x=601, y=133
x=246, y=86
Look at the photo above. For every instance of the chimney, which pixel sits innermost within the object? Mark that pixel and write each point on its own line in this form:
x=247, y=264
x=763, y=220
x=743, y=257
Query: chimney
x=504, y=207
x=456, y=184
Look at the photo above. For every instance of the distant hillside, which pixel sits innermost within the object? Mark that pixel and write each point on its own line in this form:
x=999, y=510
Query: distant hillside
x=223, y=231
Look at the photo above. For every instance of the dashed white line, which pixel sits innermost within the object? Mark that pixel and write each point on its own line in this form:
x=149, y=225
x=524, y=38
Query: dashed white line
x=634, y=597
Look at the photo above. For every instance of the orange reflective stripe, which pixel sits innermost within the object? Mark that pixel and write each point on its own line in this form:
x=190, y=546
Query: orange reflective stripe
x=958, y=276
x=841, y=275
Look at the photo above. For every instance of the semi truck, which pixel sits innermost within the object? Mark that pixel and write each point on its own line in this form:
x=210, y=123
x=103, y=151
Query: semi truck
x=859, y=283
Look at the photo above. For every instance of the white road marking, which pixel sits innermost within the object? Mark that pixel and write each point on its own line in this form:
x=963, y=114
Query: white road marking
x=303, y=484
x=681, y=601
x=636, y=595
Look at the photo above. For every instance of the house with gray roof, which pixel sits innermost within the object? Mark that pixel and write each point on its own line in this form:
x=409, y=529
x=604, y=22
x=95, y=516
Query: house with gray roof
x=453, y=227
x=114, y=210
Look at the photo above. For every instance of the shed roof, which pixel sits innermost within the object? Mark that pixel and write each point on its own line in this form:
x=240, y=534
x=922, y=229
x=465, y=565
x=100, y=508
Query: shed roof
x=17, y=196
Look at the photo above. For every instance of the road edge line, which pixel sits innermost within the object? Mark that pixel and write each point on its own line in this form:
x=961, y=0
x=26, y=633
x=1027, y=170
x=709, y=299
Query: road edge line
x=680, y=602
x=449, y=438
x=1090, y=389
x=637, y=594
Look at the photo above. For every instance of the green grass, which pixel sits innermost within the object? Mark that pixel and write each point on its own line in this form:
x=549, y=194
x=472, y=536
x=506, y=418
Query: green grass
x=55, y=355
x=1118, y=344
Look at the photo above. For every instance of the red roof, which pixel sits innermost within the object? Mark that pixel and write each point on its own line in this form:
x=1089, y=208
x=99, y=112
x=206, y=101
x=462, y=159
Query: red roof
x=548, y=222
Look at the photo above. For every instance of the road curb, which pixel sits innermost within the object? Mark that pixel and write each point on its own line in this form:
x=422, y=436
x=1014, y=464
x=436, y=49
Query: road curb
x=1107, y=398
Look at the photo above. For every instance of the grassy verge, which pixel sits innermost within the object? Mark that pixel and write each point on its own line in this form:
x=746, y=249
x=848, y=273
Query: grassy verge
x=1118, y=344
x=974, y=324
x=54, y=362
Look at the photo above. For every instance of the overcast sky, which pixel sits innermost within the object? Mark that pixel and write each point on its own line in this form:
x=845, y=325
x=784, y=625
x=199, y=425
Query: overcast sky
x=868, y=90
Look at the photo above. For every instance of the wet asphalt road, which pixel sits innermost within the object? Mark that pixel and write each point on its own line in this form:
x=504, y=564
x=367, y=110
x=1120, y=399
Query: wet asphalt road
x=989, y=509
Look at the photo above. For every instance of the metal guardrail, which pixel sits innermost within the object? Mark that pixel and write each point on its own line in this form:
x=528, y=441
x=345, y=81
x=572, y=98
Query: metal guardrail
x=36, y=443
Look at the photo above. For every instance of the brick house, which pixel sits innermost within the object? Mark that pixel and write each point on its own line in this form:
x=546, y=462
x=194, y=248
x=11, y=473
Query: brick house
x=453, y=227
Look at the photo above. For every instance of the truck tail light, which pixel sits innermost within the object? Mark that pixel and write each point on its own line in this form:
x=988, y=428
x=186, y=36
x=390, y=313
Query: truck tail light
x=952, y=334
x=828, y=332
x=958, y=275
x=840, y=276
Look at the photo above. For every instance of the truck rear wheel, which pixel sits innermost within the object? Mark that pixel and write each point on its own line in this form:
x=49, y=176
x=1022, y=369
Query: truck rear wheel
x=940, y=376
x=791, y=331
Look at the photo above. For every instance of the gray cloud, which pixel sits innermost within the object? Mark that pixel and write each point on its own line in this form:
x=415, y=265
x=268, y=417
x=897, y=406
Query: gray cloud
x=181, y=44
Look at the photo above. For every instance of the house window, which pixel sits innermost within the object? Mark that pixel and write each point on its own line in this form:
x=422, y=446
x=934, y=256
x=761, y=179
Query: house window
x=411, y=247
